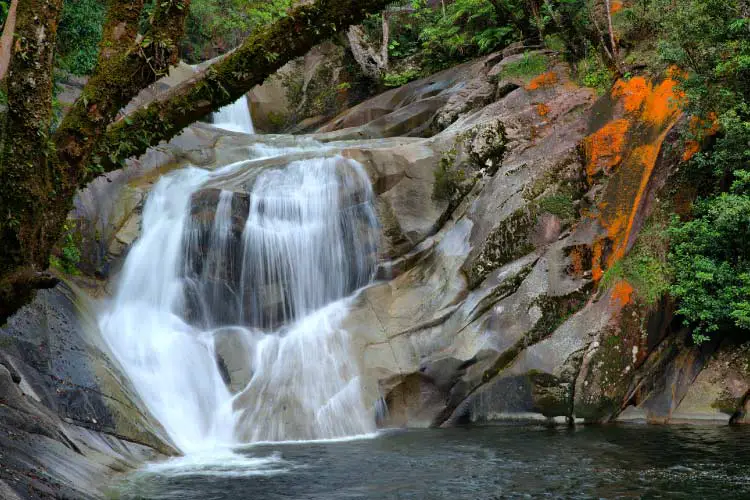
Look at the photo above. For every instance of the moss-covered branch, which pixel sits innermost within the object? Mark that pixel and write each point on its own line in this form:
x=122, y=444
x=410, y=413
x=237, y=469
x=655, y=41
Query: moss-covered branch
x=226, y=81
x=125, y=67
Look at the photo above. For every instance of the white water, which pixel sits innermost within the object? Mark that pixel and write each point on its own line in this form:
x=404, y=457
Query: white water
x=235, y=117
x=279, y=282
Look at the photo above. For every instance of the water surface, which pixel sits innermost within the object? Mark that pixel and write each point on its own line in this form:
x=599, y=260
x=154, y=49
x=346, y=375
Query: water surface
x=495, y=462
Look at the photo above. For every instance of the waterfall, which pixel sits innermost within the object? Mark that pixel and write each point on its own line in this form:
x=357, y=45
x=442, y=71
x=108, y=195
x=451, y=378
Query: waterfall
x=235, y=117
x=228, y=312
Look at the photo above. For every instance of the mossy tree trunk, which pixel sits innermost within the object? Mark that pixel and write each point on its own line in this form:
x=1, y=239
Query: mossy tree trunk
x=40, y=171
x=27, y=184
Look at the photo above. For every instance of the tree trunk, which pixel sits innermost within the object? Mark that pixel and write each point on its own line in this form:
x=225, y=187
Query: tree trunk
x=386, y=40
x=613, y=41
x=27, y=184
x=6, y=42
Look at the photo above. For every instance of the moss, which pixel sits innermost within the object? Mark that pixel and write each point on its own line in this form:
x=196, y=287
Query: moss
x=487, y=147
x=607, y=380
x=449, y=178
x=6, y=341
x=509, y=241
x=727, y=404
x=551, y=395
x=529, y=66
x=645, y=266
x=560, y=205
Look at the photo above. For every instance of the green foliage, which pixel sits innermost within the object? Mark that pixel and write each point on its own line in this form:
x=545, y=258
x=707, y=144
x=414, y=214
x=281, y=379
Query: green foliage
x=528, y=66
x=79, y=34
x=402, y=78
x=560, y=205
x=711, y=261
x=216, y=26
x=710, y=39
x=646, y=267
x=592, y=72
x=469, y=28
x=69, y=255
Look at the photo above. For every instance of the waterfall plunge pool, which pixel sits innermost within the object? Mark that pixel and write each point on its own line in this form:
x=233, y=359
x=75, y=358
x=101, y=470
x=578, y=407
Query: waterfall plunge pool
x=478, y=463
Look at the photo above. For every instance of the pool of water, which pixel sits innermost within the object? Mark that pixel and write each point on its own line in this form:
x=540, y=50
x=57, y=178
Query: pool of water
x=494, y=462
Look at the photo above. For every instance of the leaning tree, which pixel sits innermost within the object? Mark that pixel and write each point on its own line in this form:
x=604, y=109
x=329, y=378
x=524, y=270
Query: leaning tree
x=41, y=169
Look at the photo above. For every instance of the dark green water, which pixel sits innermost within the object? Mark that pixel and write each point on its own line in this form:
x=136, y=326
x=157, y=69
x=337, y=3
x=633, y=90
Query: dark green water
x=477, y=463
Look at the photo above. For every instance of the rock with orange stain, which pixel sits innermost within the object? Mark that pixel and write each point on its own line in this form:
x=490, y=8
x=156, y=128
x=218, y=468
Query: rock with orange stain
x=622, y=294
x=691, y=149
x=656, y=104
x=544, y=80
x=542, y=109
x=662, y=103
x=633, y=92
x=605, y=148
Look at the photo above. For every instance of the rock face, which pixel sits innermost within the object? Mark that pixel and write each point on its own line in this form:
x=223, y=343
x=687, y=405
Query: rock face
x=502, y=203
x=68, y=416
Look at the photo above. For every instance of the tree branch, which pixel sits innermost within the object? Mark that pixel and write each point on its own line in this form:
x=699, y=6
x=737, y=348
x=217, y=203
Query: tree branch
x=125, y=67
x=229, y=79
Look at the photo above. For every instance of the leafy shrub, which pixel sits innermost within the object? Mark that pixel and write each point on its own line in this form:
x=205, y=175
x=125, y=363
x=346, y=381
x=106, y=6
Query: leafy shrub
x=79, y=35
x=592, y=72
x=711, y=261
x=402, y=78
x=69, y=255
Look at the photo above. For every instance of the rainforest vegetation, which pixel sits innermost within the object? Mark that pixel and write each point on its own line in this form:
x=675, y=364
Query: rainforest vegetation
x=703, y=256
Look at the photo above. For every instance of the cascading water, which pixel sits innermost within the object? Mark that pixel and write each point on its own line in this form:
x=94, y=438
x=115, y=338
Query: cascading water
x=235, y=117
x=229, y=308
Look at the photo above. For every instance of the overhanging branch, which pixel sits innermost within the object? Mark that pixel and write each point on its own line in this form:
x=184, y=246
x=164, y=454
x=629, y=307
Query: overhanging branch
x=258, y=57
x=126, y=66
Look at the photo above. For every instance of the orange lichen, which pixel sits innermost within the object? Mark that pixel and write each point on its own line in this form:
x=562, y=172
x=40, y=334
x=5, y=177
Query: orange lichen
x=622, y=294
x=605, y=147
x=657, y=104
x=597, y=273
x=662, y=103
x=544, y=80
x=691, y=149
x=616, y=6
x=650, y=112
x=542, y=109
x=634, y=92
